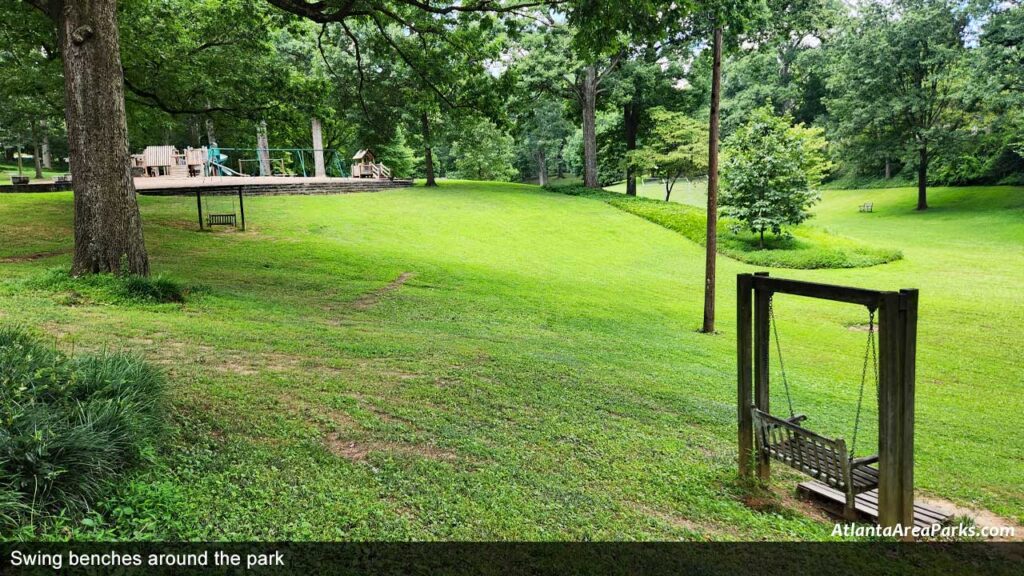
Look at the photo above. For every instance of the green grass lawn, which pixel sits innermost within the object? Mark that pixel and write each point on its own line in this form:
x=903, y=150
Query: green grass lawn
x=27, y=169
x=692, y=192
x=493, y=361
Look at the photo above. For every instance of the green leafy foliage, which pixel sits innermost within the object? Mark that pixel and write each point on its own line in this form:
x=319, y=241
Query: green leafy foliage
x=770, y=171
x=484, y=152
x=71, y=426
x=677, y=147
x=397, y=155
x=898, y=79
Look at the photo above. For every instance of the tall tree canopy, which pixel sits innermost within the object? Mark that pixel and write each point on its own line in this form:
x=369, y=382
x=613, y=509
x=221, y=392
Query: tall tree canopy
x=898, y=75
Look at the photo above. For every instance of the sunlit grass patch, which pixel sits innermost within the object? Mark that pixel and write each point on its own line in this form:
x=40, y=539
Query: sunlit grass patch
x=807, y=247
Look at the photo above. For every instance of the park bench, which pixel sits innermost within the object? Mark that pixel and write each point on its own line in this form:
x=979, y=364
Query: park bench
x=824, y=459
x=867, y=207
x=220, y=220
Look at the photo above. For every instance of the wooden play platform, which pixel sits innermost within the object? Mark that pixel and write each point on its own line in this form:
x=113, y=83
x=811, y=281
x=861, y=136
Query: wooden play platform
x=262, y=185
x=866, y=504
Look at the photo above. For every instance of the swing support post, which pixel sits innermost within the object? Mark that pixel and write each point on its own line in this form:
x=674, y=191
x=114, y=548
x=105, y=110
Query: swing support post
x=744, y=340
x=199, y=205
x=897, y=328
x=241, y=206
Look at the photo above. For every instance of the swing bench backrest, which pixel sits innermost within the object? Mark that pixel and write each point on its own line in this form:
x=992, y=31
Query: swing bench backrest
x=825, y=459
x=220, y=219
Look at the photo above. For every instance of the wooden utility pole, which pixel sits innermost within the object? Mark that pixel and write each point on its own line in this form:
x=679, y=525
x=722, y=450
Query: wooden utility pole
x=711, y=243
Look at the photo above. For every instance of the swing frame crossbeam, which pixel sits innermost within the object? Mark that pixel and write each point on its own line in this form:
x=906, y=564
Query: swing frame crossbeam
x=897, y=333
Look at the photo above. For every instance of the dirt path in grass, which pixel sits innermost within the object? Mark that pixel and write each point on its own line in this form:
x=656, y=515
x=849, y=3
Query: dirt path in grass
x=982, y=518
x=32, y=257
x=371, y=299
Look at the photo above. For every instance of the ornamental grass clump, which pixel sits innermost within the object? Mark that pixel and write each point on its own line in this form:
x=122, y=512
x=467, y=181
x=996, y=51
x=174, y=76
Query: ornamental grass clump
x=70, y=426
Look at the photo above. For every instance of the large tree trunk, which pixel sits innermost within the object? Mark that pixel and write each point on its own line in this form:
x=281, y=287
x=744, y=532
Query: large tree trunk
x=428, y=151
x=888, y=168
x=631, y=122
x=108, y=227
x=542, y=168
x=711, y=245
x=590, y=128
x=319, y=168
x=922, y=178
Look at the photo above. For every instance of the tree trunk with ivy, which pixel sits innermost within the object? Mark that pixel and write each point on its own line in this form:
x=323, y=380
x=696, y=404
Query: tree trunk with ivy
x=108, y=227
x=590, y=82
x=44, y=145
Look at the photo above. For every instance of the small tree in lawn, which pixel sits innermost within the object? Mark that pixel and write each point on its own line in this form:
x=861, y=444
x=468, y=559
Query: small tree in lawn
x=677, y=147
x=770, y=171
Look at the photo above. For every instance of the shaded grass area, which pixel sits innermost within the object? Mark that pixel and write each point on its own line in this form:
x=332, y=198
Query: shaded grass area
x=809, y=247
x=536, y=375
x=28, y=169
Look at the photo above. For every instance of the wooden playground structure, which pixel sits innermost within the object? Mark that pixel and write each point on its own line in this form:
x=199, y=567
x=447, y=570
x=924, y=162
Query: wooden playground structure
x=204, y=162
x=365, y=166
x=168, y=161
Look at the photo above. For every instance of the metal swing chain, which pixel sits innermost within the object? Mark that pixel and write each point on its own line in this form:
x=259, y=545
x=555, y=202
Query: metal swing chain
x=869, y=351
x=778, y=350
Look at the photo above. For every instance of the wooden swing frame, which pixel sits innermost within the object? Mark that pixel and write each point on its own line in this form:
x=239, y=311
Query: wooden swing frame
x=220, y=219
x=897, y=324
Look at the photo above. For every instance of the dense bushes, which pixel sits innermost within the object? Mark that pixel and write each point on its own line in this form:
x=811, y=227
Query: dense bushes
x=807, y=248
x=112, y=288
x=70, y=426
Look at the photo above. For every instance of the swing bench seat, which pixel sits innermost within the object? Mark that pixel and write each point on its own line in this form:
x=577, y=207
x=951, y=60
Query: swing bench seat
x=824, y=459
x=220, y=220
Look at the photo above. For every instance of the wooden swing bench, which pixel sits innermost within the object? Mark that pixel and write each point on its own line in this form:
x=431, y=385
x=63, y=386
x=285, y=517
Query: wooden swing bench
x=220, y=220
x=889, y=364
x=824, y=459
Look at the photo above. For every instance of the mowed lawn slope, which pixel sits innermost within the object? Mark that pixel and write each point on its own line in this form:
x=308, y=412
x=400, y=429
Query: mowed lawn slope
x=487, y=361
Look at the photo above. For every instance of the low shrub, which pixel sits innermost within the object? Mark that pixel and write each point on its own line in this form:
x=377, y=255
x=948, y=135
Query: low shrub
x=70, y=426
x=155, y=289
x=124, y=289
x=809, y=247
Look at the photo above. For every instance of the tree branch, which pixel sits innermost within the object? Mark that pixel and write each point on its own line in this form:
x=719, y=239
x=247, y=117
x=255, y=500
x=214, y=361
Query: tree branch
x=154, y=100
x=359, y=68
